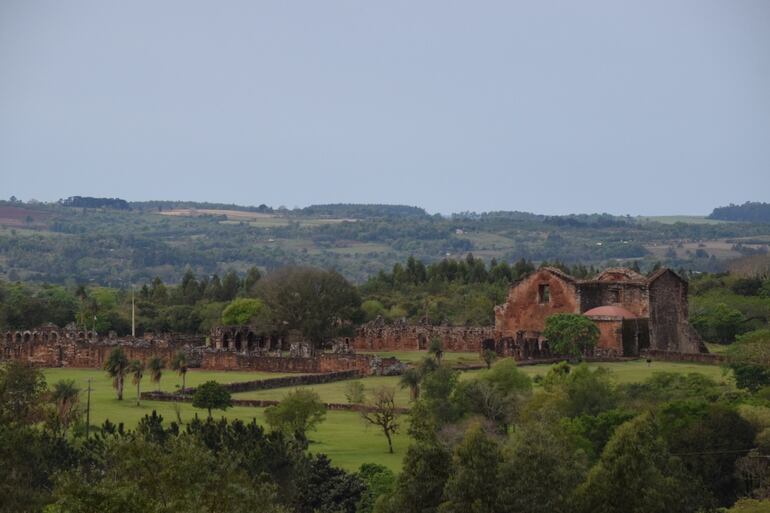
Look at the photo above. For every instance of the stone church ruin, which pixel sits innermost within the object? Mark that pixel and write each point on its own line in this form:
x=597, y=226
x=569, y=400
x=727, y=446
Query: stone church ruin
x=635, y=314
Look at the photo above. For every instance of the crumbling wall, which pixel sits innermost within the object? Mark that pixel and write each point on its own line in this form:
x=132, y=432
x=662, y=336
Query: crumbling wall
x=633, y=296
x=527, y=306
x=670, y=329
x=378, y=336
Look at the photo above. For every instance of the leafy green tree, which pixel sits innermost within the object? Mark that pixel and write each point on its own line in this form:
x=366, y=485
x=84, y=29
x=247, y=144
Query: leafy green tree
x=372, y=309
x=436, y=349
x=472, y=485
x=66, y=399
x=312, y=301
x=242, y=311
x=156, y=365
x=21, y=391
x=212, y=395
x=180, y=365
x=420, y=486
x=193, y=479
x=379, y=480
x=497, y=394
x=136, y=369
x=117, y=368
x=541, y=469
x=582, y=390
x=712, y=436
x=355, y=392
x=749, y=359
x=488, y=356
x=411, y=379
x=323, y=488
x=636, y=473
x=298, y=412
x=571, y=334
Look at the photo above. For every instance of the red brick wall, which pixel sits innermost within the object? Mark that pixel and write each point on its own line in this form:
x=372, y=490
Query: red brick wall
x=404, y=337
x=523, y=310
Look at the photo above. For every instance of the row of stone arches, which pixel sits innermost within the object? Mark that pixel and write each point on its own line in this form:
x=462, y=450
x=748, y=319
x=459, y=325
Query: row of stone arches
x=25, y=336
x=249, y=341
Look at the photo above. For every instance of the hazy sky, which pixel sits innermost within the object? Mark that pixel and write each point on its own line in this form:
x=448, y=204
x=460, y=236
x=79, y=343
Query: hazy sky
x=654, y=106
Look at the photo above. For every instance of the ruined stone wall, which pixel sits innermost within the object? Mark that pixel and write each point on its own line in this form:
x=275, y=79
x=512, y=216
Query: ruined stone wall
x=75, y=353
x=378, y=336
x=526, y=310
x=670, y=329
x=610, y=336
x=633, y=296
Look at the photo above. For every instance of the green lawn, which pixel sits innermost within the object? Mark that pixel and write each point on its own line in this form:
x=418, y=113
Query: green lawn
x=416, y=356
x=342, y=436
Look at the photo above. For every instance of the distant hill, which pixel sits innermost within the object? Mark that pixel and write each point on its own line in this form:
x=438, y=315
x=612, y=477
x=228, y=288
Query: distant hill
x=89, y=202
x=750, y=212
x=363, y=211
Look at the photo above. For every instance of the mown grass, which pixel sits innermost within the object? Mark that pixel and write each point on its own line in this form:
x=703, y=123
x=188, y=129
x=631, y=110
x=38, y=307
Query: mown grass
x=343, y=436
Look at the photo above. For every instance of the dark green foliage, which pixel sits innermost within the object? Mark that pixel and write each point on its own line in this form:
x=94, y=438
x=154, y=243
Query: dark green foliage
x=637, y=474
x=322, y=488
x=472, y=485
x=751, y=211
x=750, y=377
x=379, y=481
x=541, y=469
x=581, y=390
x=298, y=412
x=311, y=301
x=571, y=334
x=420, y=486
x=708, y=438
x=212, y=396
x=22, y=388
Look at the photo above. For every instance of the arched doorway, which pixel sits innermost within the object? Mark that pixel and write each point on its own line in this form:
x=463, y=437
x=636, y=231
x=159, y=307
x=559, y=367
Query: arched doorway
x=238, y=341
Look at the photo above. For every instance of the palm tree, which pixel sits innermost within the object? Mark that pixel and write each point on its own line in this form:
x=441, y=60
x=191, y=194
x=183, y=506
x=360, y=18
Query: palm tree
x=155, y=365
x=117, y=367
x=436, y=348
x=411, y=379
x=136, y=368
x=66, y=396
x=179, y=364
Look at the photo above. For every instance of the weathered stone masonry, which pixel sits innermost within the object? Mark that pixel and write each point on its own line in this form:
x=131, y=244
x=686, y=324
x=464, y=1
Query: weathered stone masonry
x=399, y=336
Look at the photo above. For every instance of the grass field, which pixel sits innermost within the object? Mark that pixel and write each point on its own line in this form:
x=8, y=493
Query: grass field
x=416, y=356
x=680, y=219
x=342, y=436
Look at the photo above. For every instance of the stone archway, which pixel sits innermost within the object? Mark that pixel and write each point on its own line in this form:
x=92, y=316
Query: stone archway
x=250, y=340
x=238, y=340
x=27, y=336
x=8, y=337
x=17, y=338
x=226, y=341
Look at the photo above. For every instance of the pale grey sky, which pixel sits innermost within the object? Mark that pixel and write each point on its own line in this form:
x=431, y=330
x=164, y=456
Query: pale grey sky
x=644, y=107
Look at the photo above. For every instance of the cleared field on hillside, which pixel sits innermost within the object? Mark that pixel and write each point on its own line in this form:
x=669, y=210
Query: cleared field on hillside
x=681, y=219
x=256, y=219
x=342, y=436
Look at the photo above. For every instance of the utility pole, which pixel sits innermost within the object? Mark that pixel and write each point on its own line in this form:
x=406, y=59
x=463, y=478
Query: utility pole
x=88, y=410
x=133, y=313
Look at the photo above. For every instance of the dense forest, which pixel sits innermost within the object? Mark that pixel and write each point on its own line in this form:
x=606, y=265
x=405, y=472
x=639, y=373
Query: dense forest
x=723, y=306
x=570, y=440
x=100, y=242
x=752, y=212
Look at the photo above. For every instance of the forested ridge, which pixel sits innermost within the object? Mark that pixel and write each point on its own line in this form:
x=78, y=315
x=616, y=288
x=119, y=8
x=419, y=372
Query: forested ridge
x=101, y=242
